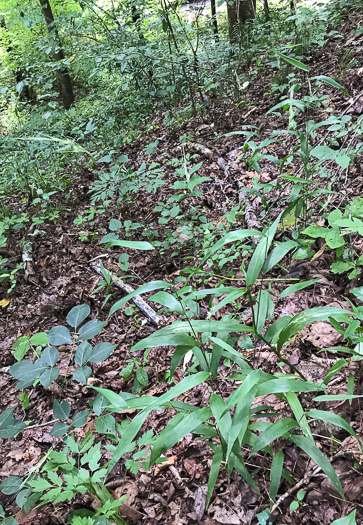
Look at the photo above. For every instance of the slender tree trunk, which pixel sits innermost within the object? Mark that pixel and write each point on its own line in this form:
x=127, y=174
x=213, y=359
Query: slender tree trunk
x=238, y=13
x=214, y=19
x=267, y=10
x=65, y=82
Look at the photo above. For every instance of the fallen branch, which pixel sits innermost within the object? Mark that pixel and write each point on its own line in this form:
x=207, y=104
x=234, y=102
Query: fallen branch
x=199, y=148
x=250, y=213
x=148, y=312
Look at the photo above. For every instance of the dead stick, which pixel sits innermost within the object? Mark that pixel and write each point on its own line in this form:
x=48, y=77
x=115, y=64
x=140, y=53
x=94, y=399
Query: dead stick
x=140, y=303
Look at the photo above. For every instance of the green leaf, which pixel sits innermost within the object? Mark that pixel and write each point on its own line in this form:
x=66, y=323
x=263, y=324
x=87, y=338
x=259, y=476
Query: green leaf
x=27, y=372
x=226, y=325
x=59, y=429
x=149, y=287
x=296, y=287
x=260, y=254
x=358, y=292
x=39, y=339
x=230, y=298
x=115, y=400
x=142, y=376
x=80, y=418
x=316, y=455
x=331, y=82
x=154, y=341
x=90, y=329
x=135, y=245
x=288, y=384
x=83, y=353
x=213, y=473
x=306, y=317
x=47, y=377
x=11, y=485
x=115, y=225
x=275, y=473
x=49, y=356
x=273, y=432
x=106, y=424
x=337, y=397
x=334, y=370
x=166, y=299
x=61, y=409
x=277, y=254
x=78, y=314
x=237, y=235
x=299, y=414
x=334, y=419
x=82, y=374
x=167, y=440
x=101, y=352
x=9, y=426
x=59, y=335
x=293, y=62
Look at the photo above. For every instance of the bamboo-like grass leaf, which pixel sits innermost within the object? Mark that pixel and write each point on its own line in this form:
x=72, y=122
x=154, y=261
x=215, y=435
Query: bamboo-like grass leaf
x=167, y=439
x=299, y=414
x=276, y=473
x=306, y=317
x=273, y=432
x=334, y=419
x=149, y=287
x=214, y=471
x=260, y=254
x=316, y=455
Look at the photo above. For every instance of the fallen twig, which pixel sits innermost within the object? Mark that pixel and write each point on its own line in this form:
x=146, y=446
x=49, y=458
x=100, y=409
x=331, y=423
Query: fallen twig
x=148, y=312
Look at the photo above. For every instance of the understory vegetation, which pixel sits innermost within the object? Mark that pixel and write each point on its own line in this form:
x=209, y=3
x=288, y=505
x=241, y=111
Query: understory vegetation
x=181, y=251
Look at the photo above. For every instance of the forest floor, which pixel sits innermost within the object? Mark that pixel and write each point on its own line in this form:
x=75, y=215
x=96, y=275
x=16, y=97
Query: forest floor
x=63, y=278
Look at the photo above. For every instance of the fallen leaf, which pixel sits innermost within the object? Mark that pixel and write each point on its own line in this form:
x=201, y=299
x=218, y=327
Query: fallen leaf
x=4, y=303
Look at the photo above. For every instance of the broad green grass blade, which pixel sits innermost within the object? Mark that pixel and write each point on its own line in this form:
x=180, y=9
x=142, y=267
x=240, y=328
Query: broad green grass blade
x=316, y=455
x=277, y=254
x=250, y=381
x=115, y=400
x=336, y=397
x=154, y=341
x=297, y=287
x=306, y=317
x=334, y=419
x=293, y=62
x=230, y=298
x=276, y=473
x=221, y=415
x=275, y=431
x=125, y=443
x=299, y=414
x=166, y=299
x=334, y=370
x=214, y=471
x=260, y=254
x=229, y=350
x=167, y=440
x=134, y=245
x=331, y=82
x=241, y=420
x=226, y=325
x=237, y=235
x=149, y=287
x=288, y=384
x=241, y=469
